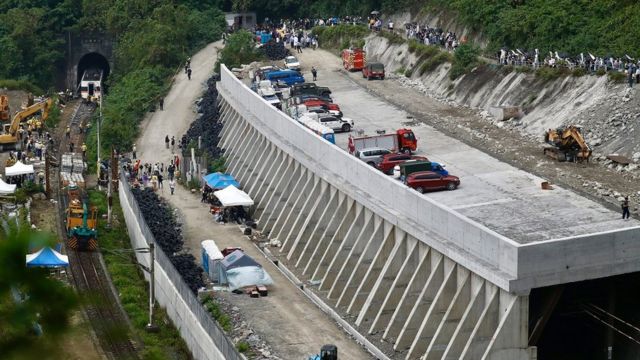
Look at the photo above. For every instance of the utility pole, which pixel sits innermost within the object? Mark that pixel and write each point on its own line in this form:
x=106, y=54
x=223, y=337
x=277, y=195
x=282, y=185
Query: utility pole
x=98, y=136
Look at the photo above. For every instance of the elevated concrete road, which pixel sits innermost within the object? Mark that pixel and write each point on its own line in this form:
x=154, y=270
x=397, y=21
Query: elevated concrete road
x=290, y=323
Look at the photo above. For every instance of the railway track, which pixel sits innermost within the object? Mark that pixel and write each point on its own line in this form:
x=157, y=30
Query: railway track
x=101, y=305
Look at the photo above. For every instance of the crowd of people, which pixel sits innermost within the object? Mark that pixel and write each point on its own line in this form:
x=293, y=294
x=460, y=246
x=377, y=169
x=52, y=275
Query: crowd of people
x=433, y=36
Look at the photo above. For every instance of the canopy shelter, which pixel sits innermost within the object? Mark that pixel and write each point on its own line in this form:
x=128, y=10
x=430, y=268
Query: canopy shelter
x=6, y=189
x=18, y=168
x=47, y=257
x=219, y=180
x=240, y=270
x=232, y=196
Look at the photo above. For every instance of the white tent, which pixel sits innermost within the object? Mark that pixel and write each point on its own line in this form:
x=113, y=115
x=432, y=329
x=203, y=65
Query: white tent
x=6, y=189
x=232, y=196
x=19, y=169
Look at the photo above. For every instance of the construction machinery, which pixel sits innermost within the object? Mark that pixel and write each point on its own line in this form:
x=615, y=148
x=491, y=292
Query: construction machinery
x=568, y=144
x=10, y=136
x=5, y=114
x=81, y=221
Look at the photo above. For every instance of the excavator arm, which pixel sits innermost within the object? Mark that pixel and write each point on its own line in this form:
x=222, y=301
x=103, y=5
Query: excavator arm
x=568, y=141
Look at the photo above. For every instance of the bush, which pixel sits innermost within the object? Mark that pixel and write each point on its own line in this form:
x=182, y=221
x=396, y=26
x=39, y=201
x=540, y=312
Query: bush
x=409, y=72
x=392, y=37
x=464, y=59
x=341, y=36
x=239, y=49
x=523, y=69
x=578, y=72
x=242, y=346
x=401, y=70
x=617, y=76
x=549, y=73
x=435, y=61
x=11, y=84
x=601, y=72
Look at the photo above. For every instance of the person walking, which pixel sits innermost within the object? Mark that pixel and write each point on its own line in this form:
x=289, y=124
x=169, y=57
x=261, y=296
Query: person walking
x=314, y=72
x=68, y=132
x=166, y=141
x=189, y=73
x=161, y=104
x=134, y=152
x=84, y=150
x=625, y=208
x=172, y=185
x=171, y=170
x=71, y=146
x=160, y=178
x=173, y=144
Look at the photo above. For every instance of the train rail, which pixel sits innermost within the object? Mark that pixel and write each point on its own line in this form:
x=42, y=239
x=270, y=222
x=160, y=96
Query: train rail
x=102, y=307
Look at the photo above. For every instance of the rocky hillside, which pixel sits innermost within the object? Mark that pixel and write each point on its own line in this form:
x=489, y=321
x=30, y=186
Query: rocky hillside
x=608, y=112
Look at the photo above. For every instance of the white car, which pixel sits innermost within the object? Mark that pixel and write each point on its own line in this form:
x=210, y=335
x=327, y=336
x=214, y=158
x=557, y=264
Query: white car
x=291, y=63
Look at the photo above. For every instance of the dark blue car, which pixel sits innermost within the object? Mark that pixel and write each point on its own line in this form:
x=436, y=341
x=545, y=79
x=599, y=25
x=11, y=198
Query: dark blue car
x=288, y=77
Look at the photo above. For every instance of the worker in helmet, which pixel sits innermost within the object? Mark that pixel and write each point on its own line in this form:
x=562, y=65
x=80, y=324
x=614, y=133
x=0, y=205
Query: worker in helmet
x=84, y=150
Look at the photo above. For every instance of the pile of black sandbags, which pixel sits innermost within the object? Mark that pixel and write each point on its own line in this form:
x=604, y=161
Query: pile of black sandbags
x=275, y=50
x=168, y=236
x=206, y=125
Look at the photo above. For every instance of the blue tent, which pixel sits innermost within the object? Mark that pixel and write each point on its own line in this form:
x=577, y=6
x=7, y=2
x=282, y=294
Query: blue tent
x=47, y=257
x=220, y=181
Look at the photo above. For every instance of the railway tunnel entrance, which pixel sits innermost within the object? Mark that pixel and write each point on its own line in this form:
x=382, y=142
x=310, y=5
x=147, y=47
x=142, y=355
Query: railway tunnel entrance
x=93, y=70
x=587, y=320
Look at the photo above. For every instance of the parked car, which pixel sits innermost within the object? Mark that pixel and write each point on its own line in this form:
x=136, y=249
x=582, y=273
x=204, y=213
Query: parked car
x=291, y=63
x=329, y=107
x=288, y=77
x=390, y=160
x=299, y=99
x=371, y=156
x=373, y=71
x=332, y=122
x=310, y=89
x=428, y=180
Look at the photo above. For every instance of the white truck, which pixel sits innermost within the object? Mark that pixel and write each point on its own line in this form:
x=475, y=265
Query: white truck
x=333, y=122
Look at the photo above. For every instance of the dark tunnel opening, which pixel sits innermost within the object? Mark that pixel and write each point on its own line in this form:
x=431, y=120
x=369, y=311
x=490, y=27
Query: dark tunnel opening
x=593, y=319
x=93, y=61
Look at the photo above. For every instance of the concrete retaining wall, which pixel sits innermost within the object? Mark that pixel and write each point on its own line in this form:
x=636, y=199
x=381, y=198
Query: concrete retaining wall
x=196, y=327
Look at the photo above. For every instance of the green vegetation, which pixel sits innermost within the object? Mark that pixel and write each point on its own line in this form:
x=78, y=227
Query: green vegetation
x=214, y=309
x=342, y=36
x=465, y=58
x=239, y=49
x=128, y=279
x=434, y=61
x=25, y=85
x=617, y=76
x=48, y=301
x=393, y=37
x=549, y=73
x=242, y=346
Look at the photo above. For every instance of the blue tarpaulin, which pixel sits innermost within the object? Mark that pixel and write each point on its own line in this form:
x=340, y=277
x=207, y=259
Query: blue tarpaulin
x=47, y=257
x=220, y=181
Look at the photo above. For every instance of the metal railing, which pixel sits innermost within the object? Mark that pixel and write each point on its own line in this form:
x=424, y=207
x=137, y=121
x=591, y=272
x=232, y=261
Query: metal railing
x=213, y=330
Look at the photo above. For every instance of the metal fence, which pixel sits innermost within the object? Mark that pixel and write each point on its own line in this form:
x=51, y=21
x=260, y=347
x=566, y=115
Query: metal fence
x=213, y=330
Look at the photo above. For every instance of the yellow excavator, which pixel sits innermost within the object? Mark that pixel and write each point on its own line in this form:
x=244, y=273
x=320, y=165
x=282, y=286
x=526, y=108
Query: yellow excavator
x=568, y=144
x=10, y=135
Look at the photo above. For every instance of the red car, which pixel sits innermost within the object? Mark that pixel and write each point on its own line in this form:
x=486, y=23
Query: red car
x=428, y=180
x=391, y=160
x=373, y=70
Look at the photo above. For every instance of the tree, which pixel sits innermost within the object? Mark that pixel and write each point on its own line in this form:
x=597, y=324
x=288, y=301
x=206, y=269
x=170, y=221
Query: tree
x=47, y=301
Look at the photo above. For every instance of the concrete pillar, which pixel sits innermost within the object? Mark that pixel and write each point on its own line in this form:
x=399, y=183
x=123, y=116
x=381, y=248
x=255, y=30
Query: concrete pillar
x=336, y=218
x=265, y=165
x=239, y=152
x=510, y=340
x=309, y=219
x=276, y=204
x=327, y=253
x=294, y=204
x=484, y=329
x=271, y=177
x=387, y=291
x=440, y=283
x=372, y=242
x=303, y=211
x=233, y=123
x=342, y=252
x=309, y=238
x=274, y=186
x=254, y=143
x=436, y=330
x=373, y=272
x=427, y=261
x=232, y=141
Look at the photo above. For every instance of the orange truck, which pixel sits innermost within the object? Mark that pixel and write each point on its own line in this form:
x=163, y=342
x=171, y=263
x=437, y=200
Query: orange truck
x=354, y=59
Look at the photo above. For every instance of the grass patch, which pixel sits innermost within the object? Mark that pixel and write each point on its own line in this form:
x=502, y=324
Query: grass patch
x=433, y=62
x=401, y=70
x=617, y=76
x=465, y=58
x=133, y=290
x=601, y=72
x=214, y=309
x=578, y=72
x=11, y=84
x=523, y=69
x=549, y=73
x=341, y=36
x=242, y=346
x=392, y=37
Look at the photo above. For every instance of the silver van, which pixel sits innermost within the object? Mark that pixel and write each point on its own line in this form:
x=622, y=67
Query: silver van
x=371, y=156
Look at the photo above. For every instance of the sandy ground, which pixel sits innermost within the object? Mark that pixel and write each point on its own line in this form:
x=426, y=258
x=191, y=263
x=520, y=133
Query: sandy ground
x=293, y=326
x=506, y=144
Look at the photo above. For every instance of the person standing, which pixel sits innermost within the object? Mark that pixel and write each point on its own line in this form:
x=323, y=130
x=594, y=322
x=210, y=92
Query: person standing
x=314, y=72
x=171, y=170
x=173, y=144
x=625, y=208
x=161, y=104
x=134, y=152
x=189, y=73
x=172, y=185
x=84, y=150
